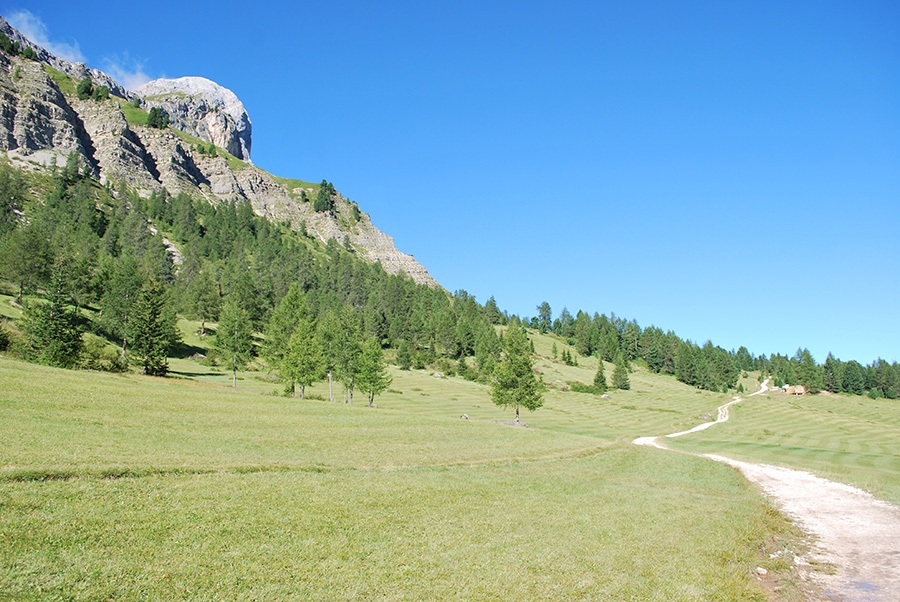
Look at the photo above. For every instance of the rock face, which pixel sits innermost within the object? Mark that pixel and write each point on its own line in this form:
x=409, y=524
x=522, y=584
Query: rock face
x=76, y=71
x=203, y=109
x=40, y=124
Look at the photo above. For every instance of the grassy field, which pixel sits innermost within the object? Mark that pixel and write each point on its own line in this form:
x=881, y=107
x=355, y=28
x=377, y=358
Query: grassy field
x=130, y=487
x=851, y=439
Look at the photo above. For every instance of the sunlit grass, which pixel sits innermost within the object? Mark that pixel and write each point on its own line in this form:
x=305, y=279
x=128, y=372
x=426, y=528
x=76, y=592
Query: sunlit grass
x=852, y=439
x=235, y=495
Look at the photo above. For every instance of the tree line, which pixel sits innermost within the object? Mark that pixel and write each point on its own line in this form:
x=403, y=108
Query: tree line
x=709, y=366
x=98, y=255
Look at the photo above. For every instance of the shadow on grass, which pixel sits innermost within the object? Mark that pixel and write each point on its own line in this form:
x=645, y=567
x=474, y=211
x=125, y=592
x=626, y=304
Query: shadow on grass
x=186, y=351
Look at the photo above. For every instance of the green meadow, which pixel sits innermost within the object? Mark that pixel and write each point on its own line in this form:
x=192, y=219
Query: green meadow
x=846, y=438
x=131, y=487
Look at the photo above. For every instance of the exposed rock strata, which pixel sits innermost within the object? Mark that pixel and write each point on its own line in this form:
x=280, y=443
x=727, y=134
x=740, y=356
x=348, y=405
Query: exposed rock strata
x=39, y=124
x=203, y=109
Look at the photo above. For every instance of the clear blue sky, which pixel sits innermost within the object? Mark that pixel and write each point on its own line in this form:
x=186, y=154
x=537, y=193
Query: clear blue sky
x=726, y=170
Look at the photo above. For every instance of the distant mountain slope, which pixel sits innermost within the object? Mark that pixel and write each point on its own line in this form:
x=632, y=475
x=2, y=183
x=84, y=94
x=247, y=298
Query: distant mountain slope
x=42, y=121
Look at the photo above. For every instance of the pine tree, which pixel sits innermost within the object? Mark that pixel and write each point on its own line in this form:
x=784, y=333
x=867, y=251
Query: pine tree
x=404, y=355
x=157, y=118
x=654, y=359
x=324, y=198
x=53, y=328
x=620, y=373
x=84, y=88
x=151, y=328
x=600, y=385
x=514, y=382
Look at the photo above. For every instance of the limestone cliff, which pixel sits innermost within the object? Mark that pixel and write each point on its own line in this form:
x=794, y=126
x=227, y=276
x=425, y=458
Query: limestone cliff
x=42, y=123
x=203, y=109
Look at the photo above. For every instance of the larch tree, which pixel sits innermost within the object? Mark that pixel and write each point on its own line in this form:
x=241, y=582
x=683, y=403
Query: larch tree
x=328, y=332
x=234, y=338
x=280, y=327
x=302, y=363
x=514, y=382
x=372, y=376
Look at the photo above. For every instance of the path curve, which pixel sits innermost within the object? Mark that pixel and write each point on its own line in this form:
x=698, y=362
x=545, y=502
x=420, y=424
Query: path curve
x=856, y=533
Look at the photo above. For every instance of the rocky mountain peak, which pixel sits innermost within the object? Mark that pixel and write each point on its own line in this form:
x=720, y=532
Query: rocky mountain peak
x=203, y=108
x=42, y=122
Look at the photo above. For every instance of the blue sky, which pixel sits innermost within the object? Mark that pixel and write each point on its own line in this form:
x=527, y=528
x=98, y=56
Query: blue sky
x=726, y=170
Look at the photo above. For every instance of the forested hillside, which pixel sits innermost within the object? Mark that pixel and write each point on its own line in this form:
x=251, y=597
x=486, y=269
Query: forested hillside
x=281, y=275
x=95, y=268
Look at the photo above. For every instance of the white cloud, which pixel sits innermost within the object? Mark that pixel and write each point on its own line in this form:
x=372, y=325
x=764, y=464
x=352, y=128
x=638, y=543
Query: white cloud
x=127, y=71
x=34, y=29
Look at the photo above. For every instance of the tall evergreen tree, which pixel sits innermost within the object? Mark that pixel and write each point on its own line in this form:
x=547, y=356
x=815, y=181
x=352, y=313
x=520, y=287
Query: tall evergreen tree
x=620, y=373
x=151, y=328
x=284, y=319
x=121, y=290
x=26, y=258
x=53, y=328
x=544, y=317
x=600, y=385
x=832, y=374
x=514, y=382
x=854, y=378
x=808, y=373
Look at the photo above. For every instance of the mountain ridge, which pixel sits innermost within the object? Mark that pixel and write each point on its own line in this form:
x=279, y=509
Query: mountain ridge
x=42, y=121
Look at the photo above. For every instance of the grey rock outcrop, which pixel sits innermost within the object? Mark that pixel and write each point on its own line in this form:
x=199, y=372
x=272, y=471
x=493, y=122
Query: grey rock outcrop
x=36, y=116
x=76, y=71
x=40, y=124
x=203, y=109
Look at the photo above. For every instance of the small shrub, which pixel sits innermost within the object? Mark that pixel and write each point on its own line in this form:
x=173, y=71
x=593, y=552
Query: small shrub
x=445, y=366
x=577, y=387
x=157, y=118
x=8, y=46
x=84, y=89
x=97, y=354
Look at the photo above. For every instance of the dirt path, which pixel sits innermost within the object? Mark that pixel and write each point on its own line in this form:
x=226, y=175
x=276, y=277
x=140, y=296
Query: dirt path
x=854, y=532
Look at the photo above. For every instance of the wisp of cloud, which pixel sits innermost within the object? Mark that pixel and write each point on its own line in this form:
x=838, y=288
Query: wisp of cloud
x=34, y=29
